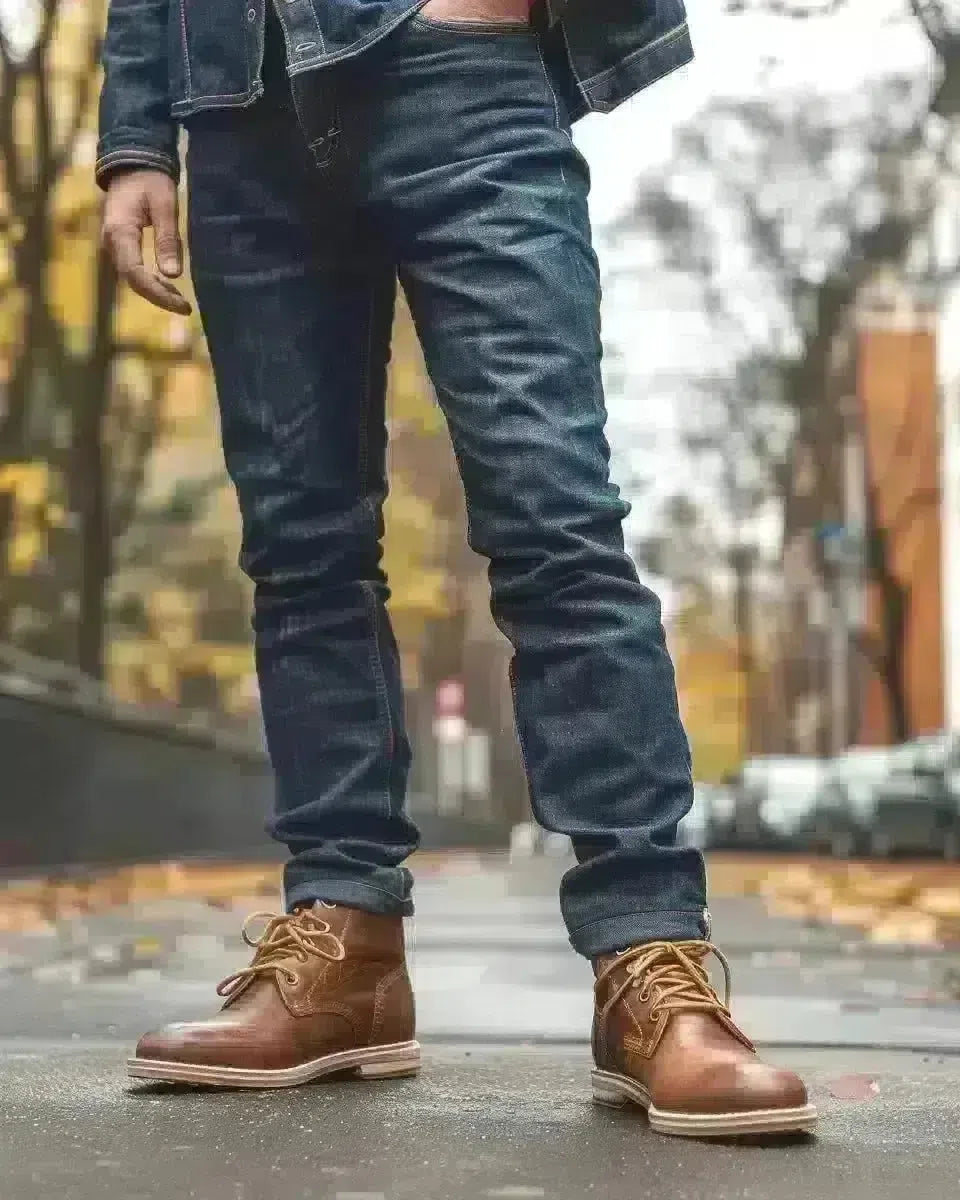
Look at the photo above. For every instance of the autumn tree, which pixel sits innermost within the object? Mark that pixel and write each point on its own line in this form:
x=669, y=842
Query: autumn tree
x=86, y=368
x=777, y=211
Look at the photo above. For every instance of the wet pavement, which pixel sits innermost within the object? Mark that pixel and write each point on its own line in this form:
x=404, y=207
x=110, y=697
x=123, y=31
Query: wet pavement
x=479, y=1122
x=502, y=1108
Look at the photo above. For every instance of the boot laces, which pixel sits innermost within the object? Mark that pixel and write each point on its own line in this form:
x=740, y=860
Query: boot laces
x=298, y=936
x=673, y=975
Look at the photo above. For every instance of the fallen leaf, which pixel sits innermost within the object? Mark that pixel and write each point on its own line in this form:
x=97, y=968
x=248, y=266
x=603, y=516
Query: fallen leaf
x=854, y=1087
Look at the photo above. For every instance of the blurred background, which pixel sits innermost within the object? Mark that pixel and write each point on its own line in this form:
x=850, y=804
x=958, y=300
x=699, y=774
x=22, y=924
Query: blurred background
x=779, y=238
x=779, y=234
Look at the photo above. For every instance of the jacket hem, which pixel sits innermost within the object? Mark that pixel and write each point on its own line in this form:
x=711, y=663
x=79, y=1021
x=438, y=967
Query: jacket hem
x=195, y=104
x=646, y=66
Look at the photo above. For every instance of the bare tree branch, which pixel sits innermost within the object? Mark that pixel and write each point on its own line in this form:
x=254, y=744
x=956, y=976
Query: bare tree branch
x=932, y=19
x=141, y=424
x=83, y=91
x=9, y=149
x=871, y=648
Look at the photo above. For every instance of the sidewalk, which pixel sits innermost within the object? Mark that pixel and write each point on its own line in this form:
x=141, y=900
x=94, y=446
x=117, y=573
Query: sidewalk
x=479, y=1122
x=503, y=1106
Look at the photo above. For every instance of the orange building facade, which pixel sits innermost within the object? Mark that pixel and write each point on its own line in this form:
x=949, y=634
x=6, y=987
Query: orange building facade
x=898, y=401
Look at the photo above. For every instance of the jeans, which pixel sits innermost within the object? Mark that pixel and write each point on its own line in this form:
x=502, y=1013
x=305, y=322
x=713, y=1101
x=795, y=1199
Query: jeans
x=442, y=156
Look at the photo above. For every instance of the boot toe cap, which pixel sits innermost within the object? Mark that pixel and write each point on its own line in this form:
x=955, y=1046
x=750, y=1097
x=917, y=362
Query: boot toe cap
x=199, y=1044
x=760, y=1086
x=734, y=1088
x=170, y=1044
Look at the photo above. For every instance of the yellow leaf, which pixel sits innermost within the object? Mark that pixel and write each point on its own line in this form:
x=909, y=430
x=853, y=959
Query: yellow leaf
x=25, y=550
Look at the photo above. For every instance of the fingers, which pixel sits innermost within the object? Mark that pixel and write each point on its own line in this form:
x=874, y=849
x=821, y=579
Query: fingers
x=126, y=247
x=134, y=201
x=166, y=234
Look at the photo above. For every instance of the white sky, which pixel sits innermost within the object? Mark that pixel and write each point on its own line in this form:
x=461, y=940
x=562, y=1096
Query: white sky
x=867, y=39
x=745, y=55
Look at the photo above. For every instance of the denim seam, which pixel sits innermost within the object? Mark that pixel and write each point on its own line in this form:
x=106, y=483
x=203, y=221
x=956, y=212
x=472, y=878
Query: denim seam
x=363, y=449
x=636, y=912
x=458, y=458
x=521, y=742
x=185, y=48
x=575, y=259
x=360, y=883
x=331, y=136
x=556, y=103
x=363, y=467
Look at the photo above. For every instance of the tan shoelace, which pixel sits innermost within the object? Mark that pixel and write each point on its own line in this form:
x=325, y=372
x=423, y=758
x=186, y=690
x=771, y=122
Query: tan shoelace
x=673, y=974
x=299, y=935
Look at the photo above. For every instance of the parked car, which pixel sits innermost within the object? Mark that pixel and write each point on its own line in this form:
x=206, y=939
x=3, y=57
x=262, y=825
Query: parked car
x=708, y=822
x=692, y=830
x=721, y=825
x=776, y=798
x=917, y=808
x=846, y=806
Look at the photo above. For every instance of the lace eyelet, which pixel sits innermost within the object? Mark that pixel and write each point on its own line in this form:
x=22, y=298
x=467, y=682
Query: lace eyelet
x=293, y=979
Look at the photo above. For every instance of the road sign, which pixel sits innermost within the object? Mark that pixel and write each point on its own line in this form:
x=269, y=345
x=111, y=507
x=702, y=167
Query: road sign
x=449, y=700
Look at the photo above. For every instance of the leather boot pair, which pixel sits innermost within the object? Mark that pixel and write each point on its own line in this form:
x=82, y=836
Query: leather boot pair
x=328, y=993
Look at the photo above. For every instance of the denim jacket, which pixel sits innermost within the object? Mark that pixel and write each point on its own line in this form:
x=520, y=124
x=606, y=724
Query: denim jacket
x=165, y=60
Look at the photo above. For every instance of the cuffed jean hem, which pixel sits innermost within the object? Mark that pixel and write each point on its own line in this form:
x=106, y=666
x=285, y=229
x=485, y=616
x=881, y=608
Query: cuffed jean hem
x=350, y=892
x=610, y=934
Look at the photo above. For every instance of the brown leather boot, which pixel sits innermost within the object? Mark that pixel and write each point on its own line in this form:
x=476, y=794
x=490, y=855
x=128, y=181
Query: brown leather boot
x=664, y=1040
x=327, y=992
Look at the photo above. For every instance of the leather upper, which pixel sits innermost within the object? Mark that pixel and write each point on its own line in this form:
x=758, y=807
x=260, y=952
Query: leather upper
x=690, y=1057
x=301, y=1005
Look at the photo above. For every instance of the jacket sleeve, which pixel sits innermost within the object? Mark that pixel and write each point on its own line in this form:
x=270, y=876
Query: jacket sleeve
x=136, y=129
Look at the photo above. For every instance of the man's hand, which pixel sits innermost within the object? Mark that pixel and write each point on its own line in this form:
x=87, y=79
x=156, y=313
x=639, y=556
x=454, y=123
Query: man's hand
x=135, y=200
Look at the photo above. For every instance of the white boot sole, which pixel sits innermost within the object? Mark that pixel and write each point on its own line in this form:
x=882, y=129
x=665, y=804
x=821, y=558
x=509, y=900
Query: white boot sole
x=364, y=1062
x=617, y=1091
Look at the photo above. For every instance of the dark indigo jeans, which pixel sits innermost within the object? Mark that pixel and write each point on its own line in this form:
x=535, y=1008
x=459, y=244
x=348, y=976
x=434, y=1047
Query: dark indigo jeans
x=444, y=156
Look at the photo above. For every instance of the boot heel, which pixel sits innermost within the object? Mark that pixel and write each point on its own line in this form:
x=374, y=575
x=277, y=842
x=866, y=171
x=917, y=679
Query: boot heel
x=394, y=1070
x=608, y=1094
x=398, y=1066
